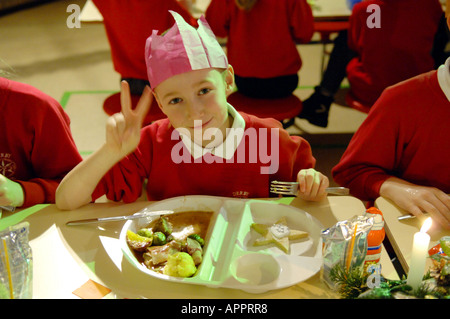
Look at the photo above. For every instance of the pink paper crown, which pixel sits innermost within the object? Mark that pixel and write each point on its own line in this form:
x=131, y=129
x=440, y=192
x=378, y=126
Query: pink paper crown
x=183, y=48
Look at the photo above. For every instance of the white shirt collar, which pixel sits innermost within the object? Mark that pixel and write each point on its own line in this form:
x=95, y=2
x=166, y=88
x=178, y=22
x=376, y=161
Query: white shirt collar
x=443, y=74
x=228, y=147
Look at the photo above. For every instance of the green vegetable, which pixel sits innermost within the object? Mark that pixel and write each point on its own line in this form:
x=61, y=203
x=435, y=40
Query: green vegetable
x=145, y=232
x=197, y=238
x=159, y=239
x=180, y=264
x=163, y=226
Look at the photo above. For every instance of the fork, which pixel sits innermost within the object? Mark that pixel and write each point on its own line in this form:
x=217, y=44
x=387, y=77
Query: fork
x=291, y=188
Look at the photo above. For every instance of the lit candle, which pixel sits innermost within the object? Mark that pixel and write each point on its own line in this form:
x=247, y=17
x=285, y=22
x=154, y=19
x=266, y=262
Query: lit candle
x=419, y=255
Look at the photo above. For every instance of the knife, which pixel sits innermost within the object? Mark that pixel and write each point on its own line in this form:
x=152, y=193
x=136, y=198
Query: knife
x=8, y=208
x=138, y=215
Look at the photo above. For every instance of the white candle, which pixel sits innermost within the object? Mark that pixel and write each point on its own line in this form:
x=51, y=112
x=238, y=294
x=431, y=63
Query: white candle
x=419, y=255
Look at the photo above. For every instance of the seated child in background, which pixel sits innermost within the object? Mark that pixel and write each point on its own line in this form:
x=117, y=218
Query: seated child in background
x=381, y=48
x=128, y=23
x=402, y=150
x=36, y=146
x=203, y=147
x=261, y=44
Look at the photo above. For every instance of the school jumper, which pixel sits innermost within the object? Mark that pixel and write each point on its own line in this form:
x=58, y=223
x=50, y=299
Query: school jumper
x=396, y=49
x=262, y=41
x=405, y=135
x=209, y=174
x=36, y=145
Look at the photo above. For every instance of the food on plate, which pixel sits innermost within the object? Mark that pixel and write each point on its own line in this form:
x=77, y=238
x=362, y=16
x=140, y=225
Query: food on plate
x=138, y=242
x=159, y=238
x=278, y=233
x=178, y=235
x=180, y=264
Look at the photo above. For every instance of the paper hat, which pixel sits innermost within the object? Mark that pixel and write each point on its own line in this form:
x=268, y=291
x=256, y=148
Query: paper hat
x=183, y=48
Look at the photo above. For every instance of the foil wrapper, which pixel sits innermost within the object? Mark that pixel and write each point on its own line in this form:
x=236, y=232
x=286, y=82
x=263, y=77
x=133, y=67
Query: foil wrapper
x=16, y=263
x=339, y=248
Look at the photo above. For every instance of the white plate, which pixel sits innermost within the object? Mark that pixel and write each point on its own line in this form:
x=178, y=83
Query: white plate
x=230, y=260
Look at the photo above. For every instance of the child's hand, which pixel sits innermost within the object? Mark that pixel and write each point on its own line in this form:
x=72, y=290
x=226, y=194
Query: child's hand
x=11, y=193
x=417, y=199
x=123, y=129
x=312, y=185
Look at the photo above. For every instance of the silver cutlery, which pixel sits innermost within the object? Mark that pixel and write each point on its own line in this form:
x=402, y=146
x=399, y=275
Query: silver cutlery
x=119, y=218
x=291, y=188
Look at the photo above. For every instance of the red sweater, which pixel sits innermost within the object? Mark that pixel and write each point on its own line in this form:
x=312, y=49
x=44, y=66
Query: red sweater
x=36, y=145
x=261, y=42
x=129, y=23
x=152, y=159
x=406, y=135
x=398, y=50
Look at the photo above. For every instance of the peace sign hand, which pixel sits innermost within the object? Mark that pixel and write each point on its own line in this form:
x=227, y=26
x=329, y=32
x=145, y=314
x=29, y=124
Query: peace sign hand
x=123, y=130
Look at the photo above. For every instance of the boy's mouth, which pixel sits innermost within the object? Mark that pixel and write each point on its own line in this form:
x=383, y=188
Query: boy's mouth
x=199, y=124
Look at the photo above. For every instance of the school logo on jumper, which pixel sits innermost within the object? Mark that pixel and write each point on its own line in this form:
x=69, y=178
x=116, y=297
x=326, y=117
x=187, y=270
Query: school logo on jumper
x=7, y=166
x=249, y=146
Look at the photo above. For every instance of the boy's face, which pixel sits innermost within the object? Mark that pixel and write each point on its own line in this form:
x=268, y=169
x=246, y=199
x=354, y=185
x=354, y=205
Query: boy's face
x=197, y=100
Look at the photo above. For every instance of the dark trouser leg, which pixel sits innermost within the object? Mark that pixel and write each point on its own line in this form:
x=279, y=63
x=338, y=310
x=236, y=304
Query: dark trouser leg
x=270, y=88
x=317, y=106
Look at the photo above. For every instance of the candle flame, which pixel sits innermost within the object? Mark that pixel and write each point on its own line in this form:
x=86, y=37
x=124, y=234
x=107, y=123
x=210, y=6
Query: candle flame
x=426, y=225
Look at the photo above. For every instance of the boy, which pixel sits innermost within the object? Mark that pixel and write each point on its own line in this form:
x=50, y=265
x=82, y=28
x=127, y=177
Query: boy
x=402, y=150
x=203, y=147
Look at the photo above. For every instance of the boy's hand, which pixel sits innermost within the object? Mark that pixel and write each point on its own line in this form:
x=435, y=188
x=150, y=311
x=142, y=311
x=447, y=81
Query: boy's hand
x=312, y=185
x=417, y=199
x=123, y=130
x=11, y=193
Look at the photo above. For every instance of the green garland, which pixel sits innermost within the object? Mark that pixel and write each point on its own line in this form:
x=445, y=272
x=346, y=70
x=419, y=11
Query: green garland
x=352, y=284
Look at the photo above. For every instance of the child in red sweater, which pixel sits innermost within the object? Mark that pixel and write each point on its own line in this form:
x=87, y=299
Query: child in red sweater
x=381, y=48
x=402, y=150
x=203, y=147
x=261, y=44
x=36, y=146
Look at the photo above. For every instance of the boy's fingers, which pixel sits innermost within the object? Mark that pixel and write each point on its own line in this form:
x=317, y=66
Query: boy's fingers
x=125, y=98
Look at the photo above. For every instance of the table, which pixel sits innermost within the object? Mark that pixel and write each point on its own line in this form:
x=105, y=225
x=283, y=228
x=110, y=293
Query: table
x=400, y=233
x=66, y=257
x=331, y=10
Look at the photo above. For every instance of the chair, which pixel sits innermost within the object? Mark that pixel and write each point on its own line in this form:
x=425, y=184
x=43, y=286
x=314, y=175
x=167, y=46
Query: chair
x=355, y=104
x=325, y=30
x=284, y=109
x=112, y=105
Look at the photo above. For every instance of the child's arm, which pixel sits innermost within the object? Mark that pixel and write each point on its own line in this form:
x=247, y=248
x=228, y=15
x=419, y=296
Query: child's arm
x=312, y=185
x=122, y=138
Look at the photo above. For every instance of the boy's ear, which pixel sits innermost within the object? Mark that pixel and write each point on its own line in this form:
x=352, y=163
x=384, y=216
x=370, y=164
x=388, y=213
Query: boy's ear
x=229, y=79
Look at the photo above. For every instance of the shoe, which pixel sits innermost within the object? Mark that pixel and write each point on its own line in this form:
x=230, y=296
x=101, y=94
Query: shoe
x=316, y=108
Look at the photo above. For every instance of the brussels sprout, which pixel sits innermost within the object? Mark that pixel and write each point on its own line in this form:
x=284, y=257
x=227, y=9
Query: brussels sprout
x=159, y=238
x=163, y=226
x=180, y=264
x=197, y=238
x=145, y=232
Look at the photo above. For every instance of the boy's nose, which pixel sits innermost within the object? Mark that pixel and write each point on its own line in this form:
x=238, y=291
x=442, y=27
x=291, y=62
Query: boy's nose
x=195, y=110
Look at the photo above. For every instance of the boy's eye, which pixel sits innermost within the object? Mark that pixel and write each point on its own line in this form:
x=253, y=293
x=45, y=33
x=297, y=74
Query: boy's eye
x=175, y=100
x=204, y=91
